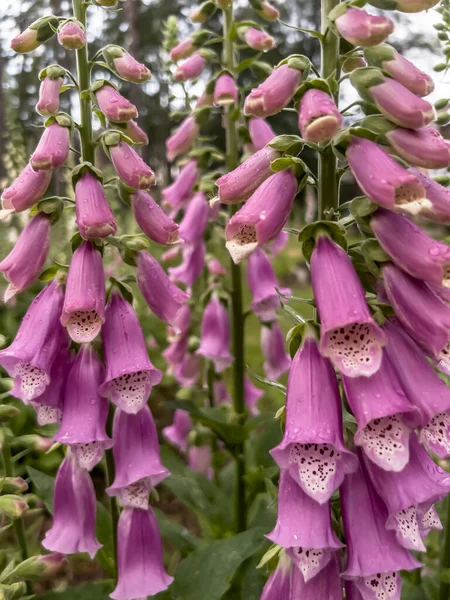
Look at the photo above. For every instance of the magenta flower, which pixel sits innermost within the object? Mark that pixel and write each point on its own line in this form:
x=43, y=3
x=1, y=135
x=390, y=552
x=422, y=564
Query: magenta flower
x=205, y=100
x=177, y=434
x=140, y=557
x=423, y=388
x=49, y=91
x=137, y=462
x=421, y=312
x=365, y=515
x=130, y=167
x=313, y=448
x=25, y=261
x=278, y=244
x=163, y=297
x=94, y=217
x=276, y=361
x=152, y=219
x=193, y=225
x=130, y=374
x=273, y=94
x=412, y=249
x=225, y=91
x=71, y=35
x=258, y=40
x=261, y=133
x=84, y=302
x=304, y=528
x=182, y=139
x=409, y=496
x=252, y=394
x=395, y=189
x=136, y=133
x=191, y=68
x=28, y=188
x=176, y=351
x=349, y=335
x=267, y=11
x=187, y=371
x=319, y=119
x=278, y=586
x=175, y=195
x=263, y=215
x=129, y=69
x=73, y=528
x=436, y=204
x=262, y=282
x=85, y=411
x=363, y=29
x=182, y=50
x=49, y=405
x=53, y=148
x=215, y=335
x=384, y=415
x=199, y=460
x=239, y=184
x=216, y=268
x=401, y=69
x=190, y=269
x=28, y=360
x=327, y=585
x=423, y=147
x=114, y=106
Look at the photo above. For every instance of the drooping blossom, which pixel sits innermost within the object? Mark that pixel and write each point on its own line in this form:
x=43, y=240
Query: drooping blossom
x=177, y=433
x=130, y=167
x=319, y=119
x=53, y=148
x=363, y=29
x=153, y=220
x=262, y=283
x=113, y=105
x=49, y=405
x=183, y=49
x=72, y=35
x=50, y=88
x=191, y=68
x=125, y=65
x=176, y=194
x=257, y=39
x=225, y=91
x=251, y=395
x=276, y=361
x=188, y=370
x=278, y=586
x=216, y=268
x=193, y=224
x=182, y=139
x=192, y=265
x=215, y=335
x=28, y=188
x=423, y=147
x=94, y=216
x=135, y=133
x=261, y=133
x=35, y=34
x=326, y=585
x=436, y=203
x=273, y=94
x=199, y=460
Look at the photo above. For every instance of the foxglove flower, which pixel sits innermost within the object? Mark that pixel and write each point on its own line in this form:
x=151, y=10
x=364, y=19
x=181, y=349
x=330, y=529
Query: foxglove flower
x=176, y=351
x=193, y=225
x=177, y=433
x=319, y=119
x=412, y=249
x=276, y=361
x=262, y=282
x=191, y=68
x=71, y=35
x=137, y=462
x=327, y=585
x=28, y=360
x=136, y=133
x=35, y=34
x=409, y=496
x=221, y=395
x=49, y=91
x=261, y=133
x=53, y=148
x=94, y=217
x=313, y=448
x=278, y=244
x=215, y=335
x=257, y=39
x=423, y=387
x=163, y=297
x=205, y=100
x=139, y=556
x=349, y=336
x=421, y=312
x=125, y=65
x=152, y=219
x=49, y=405
x=372, y=567
x=85, y=411
x=401, y=69
x=192, y=266
x=216, y=268
x=407, y=6
x=273, y=94
x=199, y=460
x=423, y=147
x=130, y=374
x=278, y=586
x=130, y=167
x=251, y=395
x=304, y=528
x=436, y=205
x=181, y=189
x=84, y=303
x=114, y=106
x=187, y=371
x=384, y=415
x=392, y=187
x=182, y=139
x=225, y=91
x=393, y=100
x=363, y=29
x=183, y=49
x=265, y=10
x=28, y=188
x=263, y=215
x=25, y=261
x=73, y=528
x=239, y=184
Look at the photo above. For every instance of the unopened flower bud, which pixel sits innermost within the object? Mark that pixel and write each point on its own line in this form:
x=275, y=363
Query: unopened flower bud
x=13, y=485
x=406, y=6
x=114, y=106
x=72, y=36
x=8, y=412
x=28, y=188
x=107, y=3
x=136, y=133
x=183, y=138
x=12, y=506
x=275, y=93
x=203, y=12
x=152, y=219
x=191, y=68
x=225, y=91
x=265, y=10
x=36, y=34
x=352, y=63
x=34, y=442
x=182, y=50
x=130, y=167
x=319, y=119
x=257, y=39
x=261, y=133
x=125, y=65
x=39, y=567
x=53, y=148
x=423, y=147
x=362, y=29
x=94, y=217
x=49, y=91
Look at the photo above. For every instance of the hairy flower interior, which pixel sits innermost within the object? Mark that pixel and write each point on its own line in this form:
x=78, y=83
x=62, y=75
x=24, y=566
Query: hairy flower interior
x=30, y=380
x=135, y=495
x=83, y=326
x=88, y=455
x=407, y=529
x=314, y=467
x=243, y=243
x=386, y=442
x=436, y=435
x=310, y=561
x=47, y=415
x=322, y=129
x=355, y=349
x=130, y=391
x=446, y=275
x=444, y=358
x=410, y=197
x=381, y=586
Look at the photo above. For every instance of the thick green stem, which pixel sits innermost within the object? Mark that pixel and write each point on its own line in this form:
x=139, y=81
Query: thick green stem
x=84, y=83
x=444, y=590
x=328, y=185
x=237, y=316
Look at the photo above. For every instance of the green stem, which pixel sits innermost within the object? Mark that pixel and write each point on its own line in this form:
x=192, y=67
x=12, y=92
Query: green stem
x=109, y=478
x=328, y=188
x=84, y=84
x=18, y=523
x=237, y=317
x=444, y=590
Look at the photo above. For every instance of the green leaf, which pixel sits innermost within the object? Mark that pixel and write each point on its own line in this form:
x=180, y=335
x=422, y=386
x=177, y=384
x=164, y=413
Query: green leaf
x=309, y=234
x=49, y=273
x=208, y=572
x=288, y=144
x=97, y=590
x=44, y=485
x=105, y=555
x=175, y=533
x=248, y=62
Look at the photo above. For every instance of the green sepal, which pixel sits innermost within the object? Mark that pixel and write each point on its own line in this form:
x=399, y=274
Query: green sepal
x=375, y=56
x=122, y=287
x=309, y=234
x=52, y=72
x=200, y=37
x=364, y=78
x=62, y=118
x=8, y=412
x=378, y=124
x=202, y=114
x=374, y=255
x=135, y=243
x=342, y=140
x=311, y=84
x=287, y=144
x=261, y=69
x=362, y=207
x=384, y=4
x=49, y=273
x=46, y=27
x=289, y=162
x=299, y=62
x=297, y=335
